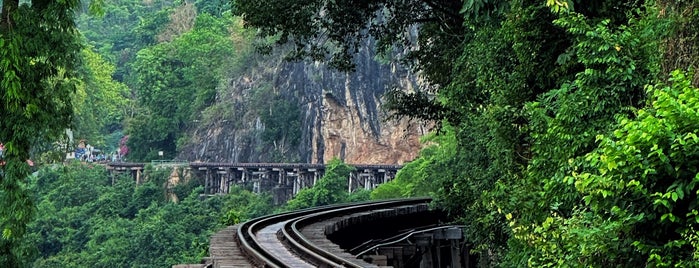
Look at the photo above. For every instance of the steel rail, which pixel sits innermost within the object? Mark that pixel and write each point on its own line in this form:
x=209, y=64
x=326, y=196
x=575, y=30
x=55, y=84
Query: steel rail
x=321, y=257
x=249, y=244
x=402, y=237
x=261, y=257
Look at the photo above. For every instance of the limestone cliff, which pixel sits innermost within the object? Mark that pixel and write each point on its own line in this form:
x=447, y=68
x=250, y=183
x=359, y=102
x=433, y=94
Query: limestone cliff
x=325, y=113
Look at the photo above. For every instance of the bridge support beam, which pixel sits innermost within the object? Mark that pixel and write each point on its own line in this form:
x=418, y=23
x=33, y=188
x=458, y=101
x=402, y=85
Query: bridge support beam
x=285, y=180
x=441, y=243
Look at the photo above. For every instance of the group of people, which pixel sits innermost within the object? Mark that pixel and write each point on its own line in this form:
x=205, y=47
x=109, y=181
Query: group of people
x=88, y=153
x=83, y=152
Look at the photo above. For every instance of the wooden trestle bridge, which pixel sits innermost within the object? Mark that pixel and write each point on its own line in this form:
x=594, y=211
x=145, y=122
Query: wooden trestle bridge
x=391, y=233
x=395, y=233
x=283, y=180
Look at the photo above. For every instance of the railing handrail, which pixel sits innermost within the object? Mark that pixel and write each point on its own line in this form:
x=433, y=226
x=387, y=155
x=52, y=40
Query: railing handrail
x=169, y=162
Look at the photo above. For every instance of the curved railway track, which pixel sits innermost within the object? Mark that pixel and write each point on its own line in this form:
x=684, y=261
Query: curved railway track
x=269, y=241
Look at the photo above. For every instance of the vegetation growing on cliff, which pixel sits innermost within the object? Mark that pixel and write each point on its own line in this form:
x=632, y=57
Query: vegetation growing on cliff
x=177, y=78
x=177, y=58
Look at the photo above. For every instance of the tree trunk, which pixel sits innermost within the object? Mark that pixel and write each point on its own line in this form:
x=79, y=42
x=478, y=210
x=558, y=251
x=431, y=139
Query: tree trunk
x=8, y=8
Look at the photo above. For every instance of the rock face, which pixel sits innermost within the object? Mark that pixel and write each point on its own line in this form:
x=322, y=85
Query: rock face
x=337, y=115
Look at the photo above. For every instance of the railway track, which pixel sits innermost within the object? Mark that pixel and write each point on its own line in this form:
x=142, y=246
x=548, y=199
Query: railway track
x=279, y=241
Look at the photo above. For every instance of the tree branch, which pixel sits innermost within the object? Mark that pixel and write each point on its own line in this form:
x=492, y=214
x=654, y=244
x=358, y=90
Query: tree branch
x=446, y=10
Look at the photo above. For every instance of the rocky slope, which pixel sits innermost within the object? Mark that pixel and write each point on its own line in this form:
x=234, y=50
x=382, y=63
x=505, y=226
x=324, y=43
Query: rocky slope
x=326, y=114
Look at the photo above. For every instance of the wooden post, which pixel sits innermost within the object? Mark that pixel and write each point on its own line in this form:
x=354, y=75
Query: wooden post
x=138, y=175
x=207, y=181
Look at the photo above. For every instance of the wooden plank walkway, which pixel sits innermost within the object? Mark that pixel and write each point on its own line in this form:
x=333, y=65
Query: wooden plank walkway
x=269, y=240
x=224, y=252
x=316, y=234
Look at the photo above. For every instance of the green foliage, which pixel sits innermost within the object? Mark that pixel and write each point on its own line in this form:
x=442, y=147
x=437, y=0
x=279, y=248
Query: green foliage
x=330, y=189
x=125, y=27
x=527, y=97
x=614, y=64
x=242, y=205
x=177, y=80
x=100, y=103
x=85, y=220
x=359, y=195
x=282, y=125
x=417, y=178
x=639, y=190
x=38, y=53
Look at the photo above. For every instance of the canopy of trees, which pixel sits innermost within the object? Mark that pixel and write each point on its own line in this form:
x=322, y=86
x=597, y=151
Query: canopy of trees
x=39, y=49
x=177, y=79
x=85, y=218
x=566, y=129
x=554, y=149
x=173, y=57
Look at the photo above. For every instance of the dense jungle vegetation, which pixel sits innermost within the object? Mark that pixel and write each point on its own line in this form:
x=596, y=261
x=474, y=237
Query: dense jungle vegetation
x=566, y=131
x=106, y=69
x=87, y=218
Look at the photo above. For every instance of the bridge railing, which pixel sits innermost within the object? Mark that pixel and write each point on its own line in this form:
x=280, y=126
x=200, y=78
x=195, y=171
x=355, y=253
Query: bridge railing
x=169, y=163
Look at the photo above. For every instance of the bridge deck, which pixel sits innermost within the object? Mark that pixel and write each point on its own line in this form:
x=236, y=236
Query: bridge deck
x=248, y=165
x=316, y=234
x=269, y=240
x=223, y=251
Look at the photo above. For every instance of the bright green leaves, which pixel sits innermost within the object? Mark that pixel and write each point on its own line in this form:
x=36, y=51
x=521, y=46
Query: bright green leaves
x=177, y=80
x=427, y=175
x=100, y=103
x=84, y=220
x=581, y=240
x=330, y=189
x=610, y=67
x=648, y=170
x=38, y=53
x=7, y=233
x=559, y=6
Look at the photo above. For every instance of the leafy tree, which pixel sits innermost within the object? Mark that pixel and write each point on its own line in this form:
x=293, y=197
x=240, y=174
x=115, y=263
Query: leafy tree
x=86, y=218
x=330, y=189
x=639, y=190
x=126, y=27
x=100, y=103
x=177, y=80
x=38, y=52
